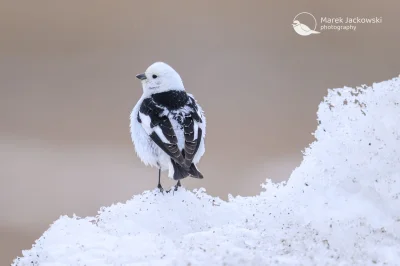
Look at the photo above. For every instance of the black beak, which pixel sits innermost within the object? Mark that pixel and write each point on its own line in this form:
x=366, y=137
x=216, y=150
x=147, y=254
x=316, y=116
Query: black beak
x=141, y=76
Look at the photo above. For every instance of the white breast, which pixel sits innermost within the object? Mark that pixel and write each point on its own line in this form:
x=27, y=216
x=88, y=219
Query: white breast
x=147, y=151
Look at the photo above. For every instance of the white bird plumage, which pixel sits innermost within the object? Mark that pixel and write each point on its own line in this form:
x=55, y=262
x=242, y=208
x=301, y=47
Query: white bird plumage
x=164, y=97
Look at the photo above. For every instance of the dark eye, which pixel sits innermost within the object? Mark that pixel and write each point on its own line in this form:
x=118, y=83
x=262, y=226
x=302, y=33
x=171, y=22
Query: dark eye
x=154, y=76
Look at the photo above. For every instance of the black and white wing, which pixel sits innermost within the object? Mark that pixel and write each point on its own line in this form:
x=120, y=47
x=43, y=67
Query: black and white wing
x=155, y=121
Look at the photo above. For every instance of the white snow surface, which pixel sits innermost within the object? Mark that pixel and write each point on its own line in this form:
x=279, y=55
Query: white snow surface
x=341, y=206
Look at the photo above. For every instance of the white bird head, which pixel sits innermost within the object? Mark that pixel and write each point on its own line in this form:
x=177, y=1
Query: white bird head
x=296, y=23
x=160, y=77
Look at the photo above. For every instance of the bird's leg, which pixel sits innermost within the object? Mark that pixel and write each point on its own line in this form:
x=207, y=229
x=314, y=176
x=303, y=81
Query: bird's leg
x=177, y=185
x=159, y=181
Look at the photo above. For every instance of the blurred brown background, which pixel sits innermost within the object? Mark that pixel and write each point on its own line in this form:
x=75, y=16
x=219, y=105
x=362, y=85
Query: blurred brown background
x=67, y=86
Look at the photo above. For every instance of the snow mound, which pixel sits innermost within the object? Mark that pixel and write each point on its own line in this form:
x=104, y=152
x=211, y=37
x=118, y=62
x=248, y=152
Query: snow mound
x=341, y=206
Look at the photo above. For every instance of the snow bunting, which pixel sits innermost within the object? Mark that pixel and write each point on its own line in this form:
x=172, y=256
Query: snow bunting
x=167, y=125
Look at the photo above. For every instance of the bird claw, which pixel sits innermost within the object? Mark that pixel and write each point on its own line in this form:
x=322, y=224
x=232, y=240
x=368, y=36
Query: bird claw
x=175, y=188
x=161, y=189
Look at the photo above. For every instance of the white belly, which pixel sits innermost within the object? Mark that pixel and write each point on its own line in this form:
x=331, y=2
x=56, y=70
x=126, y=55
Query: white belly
x=146, y=149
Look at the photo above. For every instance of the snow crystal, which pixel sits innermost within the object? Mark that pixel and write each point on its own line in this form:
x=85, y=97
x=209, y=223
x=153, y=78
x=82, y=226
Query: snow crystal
x=341, y=206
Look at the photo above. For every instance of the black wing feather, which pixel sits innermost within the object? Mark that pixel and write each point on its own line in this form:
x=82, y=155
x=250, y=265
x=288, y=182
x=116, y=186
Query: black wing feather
x=191, y=144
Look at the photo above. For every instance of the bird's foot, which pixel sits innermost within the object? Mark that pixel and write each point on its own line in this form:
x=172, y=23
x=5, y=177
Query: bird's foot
x=161, y=188
x=175, y=187
x=178, y=185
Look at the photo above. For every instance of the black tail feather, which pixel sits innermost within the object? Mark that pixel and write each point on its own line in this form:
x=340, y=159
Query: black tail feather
x=181, y=173
x=193, y=172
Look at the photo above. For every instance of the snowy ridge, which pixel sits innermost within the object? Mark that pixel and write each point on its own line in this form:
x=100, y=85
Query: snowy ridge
x=341, y=206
